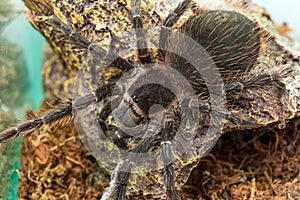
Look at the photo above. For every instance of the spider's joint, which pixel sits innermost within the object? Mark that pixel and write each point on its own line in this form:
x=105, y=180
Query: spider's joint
x=92, y=46
x=71, y=33
x=272, y=77
x=166, y=142
x=130, y=162
x=42, y=119
x=135, y=12
x=117, y=134
x=95, y=97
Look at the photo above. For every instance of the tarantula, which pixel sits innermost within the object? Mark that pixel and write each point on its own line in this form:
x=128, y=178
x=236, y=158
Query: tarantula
x=169, y=108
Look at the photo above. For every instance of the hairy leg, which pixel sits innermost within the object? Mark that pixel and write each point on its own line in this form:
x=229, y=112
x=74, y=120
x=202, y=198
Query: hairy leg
x=171, y=19
x=143, y=52
x=59, y=115
x=235, y=90
x=121, y=174
x=93, y=48
x=116, y=135
x=167, y=157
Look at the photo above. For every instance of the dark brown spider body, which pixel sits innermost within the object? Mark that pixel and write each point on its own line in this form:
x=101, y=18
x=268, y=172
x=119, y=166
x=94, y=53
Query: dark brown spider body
x=150, y=114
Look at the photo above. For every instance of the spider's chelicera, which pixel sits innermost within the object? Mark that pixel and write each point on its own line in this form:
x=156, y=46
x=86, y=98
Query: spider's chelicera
x=168, y=109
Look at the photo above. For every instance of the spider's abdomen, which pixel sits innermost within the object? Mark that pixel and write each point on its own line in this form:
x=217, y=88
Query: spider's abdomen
x=230, y=38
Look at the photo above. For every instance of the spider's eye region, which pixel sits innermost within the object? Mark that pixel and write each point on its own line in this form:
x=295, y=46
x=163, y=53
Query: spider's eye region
x=231, y=39
x=152, y=94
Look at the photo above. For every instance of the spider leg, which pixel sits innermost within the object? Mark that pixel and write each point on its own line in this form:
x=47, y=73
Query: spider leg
x=236, y=93
x=167, y=157
x=171, y=19
x=59, y=115
x=96, y=50
x=236, y=89
x=115, y=134
x=121, y=173
x=143, y=53
x=189, y=117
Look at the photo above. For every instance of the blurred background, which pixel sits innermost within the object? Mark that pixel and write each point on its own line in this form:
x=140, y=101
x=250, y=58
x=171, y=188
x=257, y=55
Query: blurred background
x=21, y=33
x=284, y=11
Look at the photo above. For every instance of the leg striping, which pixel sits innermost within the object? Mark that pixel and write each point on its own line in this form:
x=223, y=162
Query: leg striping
x=96, y=50
x=57, y=116
x=168, y=159
x=143, y=51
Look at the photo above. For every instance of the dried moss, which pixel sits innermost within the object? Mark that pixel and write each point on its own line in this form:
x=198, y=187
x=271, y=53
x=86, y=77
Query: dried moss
x=261, y=164
x=55, y=165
